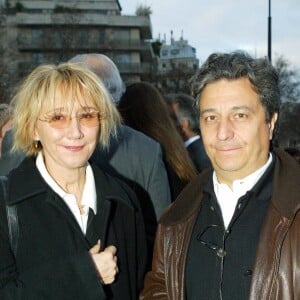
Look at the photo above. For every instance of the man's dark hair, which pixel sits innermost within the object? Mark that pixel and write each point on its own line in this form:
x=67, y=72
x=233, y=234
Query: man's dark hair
x=260, y=72
x=188, y=111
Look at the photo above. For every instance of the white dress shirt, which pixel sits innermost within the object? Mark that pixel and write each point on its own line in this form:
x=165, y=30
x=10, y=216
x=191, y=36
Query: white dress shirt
x=228, y=198
x=89, y=196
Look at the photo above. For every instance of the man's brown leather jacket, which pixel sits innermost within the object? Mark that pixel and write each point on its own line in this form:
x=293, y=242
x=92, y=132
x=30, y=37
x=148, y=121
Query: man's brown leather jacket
x=276, y=273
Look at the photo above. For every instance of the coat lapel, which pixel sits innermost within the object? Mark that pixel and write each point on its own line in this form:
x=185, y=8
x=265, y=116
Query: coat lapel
x=109, y=192
x=98, y=225
x=55, y=201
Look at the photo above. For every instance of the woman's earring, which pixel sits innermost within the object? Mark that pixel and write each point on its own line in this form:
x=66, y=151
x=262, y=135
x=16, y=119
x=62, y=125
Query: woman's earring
x=36, y=144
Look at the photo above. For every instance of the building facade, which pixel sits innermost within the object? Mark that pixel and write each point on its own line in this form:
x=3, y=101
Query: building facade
x=177, y=55
x=177, y=62
x=44, y=31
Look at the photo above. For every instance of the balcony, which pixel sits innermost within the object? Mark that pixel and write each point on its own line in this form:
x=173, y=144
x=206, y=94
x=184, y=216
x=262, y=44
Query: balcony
x=72, y=43
x=134, y=68
x=86, y=19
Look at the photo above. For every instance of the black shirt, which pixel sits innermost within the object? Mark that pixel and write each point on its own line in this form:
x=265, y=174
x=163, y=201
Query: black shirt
x=219, y=261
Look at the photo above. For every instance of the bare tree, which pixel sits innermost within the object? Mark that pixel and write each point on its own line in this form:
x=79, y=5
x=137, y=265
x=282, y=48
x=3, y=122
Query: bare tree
x=289, y=80
x=289, y=125
x=143, y=10
x=8, y=76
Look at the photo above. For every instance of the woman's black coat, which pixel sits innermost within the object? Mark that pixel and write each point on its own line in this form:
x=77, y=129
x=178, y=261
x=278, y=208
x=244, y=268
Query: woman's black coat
x=52, y=260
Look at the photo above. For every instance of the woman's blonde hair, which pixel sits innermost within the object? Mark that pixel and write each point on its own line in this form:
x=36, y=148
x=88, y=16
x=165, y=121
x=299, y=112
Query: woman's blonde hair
x=67, y=82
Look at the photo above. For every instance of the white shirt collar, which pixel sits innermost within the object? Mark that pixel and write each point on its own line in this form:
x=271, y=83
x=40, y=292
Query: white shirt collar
x=228, y=198
x=89, y=196
x=191, y=140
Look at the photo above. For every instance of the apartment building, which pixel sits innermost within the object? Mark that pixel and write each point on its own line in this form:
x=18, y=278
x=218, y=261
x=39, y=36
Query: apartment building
x=177, y=55
x=176, y=64
x=44, y=31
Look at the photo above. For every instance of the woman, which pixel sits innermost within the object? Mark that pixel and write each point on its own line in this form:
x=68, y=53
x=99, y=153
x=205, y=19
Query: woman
x=143, y=108
x=80, y=231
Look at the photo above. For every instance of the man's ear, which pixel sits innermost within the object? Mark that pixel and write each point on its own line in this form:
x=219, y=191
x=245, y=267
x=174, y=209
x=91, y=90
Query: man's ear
x=185, y=124
x=272, y=124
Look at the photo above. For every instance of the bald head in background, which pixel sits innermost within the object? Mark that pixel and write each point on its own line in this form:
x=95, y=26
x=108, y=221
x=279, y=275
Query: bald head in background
x=106, y=70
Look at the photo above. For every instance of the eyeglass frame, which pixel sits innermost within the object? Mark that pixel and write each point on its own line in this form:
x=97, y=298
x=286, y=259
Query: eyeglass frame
x=212, y=246
x=69, y=118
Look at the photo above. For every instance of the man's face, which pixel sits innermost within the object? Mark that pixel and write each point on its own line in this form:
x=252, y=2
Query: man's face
x=234, y=129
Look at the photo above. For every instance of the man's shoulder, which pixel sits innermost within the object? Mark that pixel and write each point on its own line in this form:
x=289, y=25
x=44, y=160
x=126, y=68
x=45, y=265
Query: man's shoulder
x=7, y=142
x=286, y=190
x=188, y=201
x=130, y=154
x=130, y=135
x=197, y=144
x=135, y=144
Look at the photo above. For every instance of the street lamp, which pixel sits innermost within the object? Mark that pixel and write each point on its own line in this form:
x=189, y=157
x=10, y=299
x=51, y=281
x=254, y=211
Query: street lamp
x=270, y=33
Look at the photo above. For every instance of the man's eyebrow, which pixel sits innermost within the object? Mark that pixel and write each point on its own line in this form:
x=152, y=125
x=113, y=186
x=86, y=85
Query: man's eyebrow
x=208, y=110
x=234, y=108
x=242, y=107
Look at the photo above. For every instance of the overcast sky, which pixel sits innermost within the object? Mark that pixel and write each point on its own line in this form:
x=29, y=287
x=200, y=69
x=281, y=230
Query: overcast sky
x=226, y=25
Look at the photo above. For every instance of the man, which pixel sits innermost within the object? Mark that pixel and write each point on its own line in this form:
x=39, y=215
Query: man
x=8, y=159
x=183, y=108
x=234, y=232
x=5, y=122
x=133, y=156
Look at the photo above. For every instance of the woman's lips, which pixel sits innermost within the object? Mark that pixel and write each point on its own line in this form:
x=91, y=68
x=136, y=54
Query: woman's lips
x=74, y=148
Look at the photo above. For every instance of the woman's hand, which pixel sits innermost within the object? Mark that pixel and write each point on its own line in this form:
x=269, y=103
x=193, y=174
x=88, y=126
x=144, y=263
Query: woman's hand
x=106, y=262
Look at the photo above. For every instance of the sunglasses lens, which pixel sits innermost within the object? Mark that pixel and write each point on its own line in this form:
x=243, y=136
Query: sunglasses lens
x=86, y=119
x=89, y=119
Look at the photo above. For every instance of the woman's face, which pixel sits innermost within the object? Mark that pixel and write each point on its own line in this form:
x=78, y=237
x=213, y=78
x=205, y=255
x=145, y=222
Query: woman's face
x=68, y=138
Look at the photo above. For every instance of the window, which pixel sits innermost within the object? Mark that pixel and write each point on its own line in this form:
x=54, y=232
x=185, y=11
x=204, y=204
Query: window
x=164, y=52
x=174, y=51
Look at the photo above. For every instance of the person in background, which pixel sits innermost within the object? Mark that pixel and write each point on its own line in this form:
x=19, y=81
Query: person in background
x=80, y=231
x=183, y=107
x=234, y=231
x=142, y=108
x=131, y=155
x=8, y=159
x=5, y=122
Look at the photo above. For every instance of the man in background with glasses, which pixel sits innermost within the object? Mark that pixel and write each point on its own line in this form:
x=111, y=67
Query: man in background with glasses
x=234, y=232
